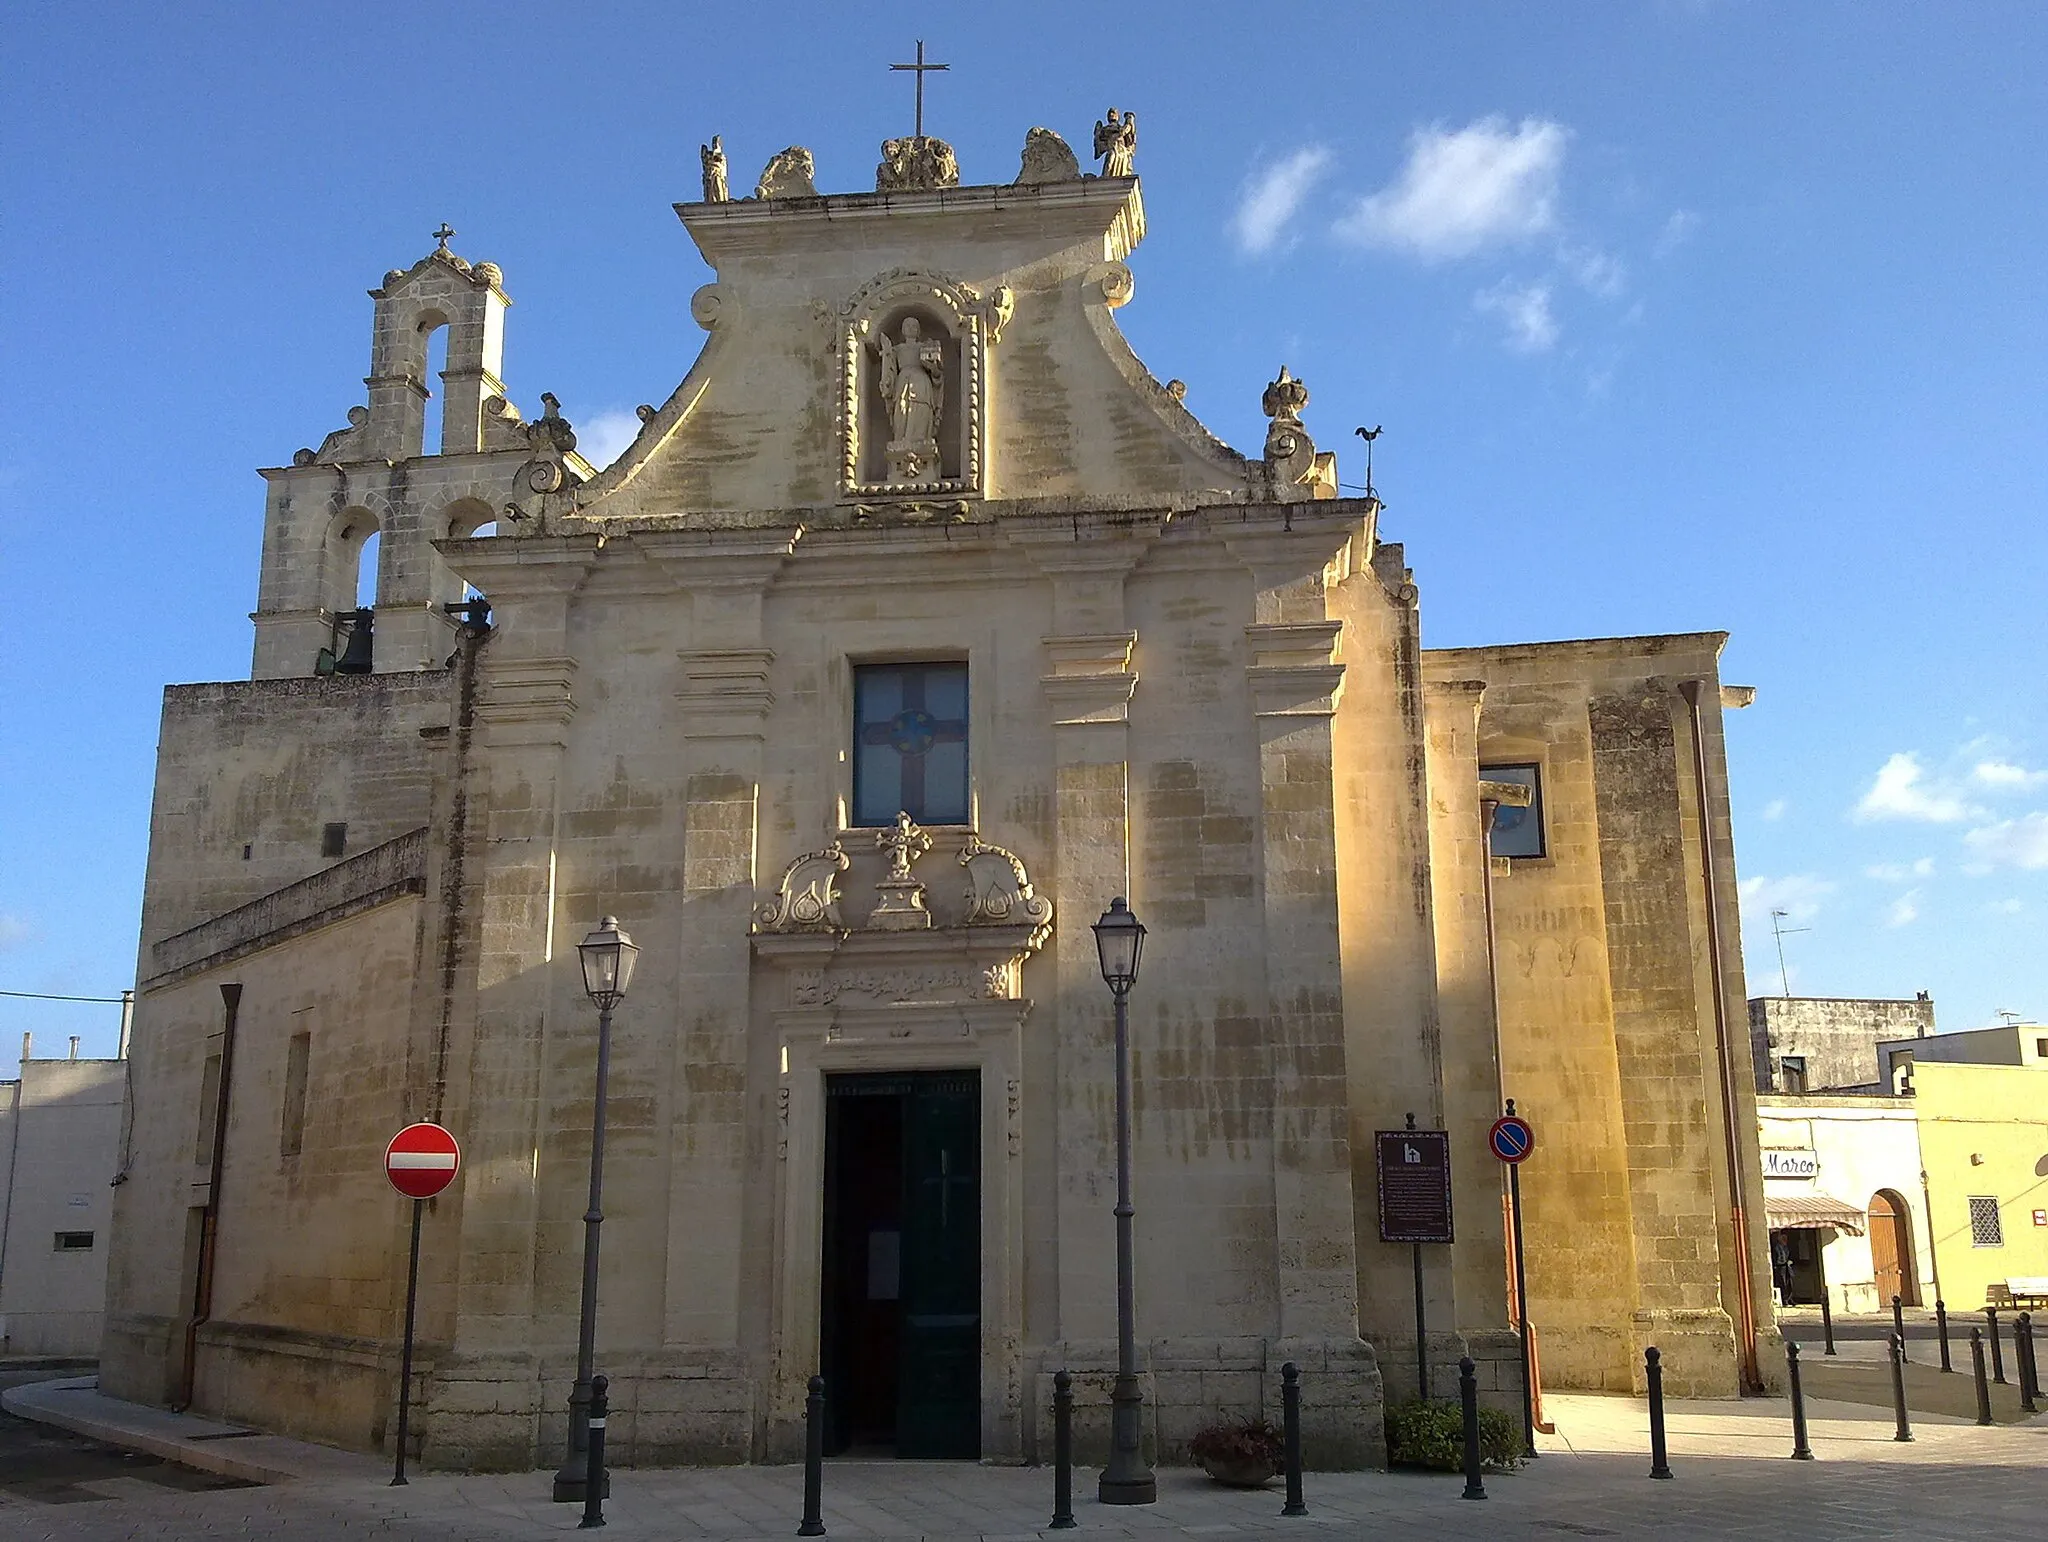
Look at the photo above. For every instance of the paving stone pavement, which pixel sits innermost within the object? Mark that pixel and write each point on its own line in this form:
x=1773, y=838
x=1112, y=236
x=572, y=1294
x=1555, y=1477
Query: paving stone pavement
x=1732, y=1480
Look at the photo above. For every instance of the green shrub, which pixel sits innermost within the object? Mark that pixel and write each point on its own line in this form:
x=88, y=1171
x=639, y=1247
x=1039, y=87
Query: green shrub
x=1432, y=1435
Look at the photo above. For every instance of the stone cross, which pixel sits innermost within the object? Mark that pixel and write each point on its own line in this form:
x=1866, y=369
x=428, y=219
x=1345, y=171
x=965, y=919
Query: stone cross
x=920, y=69
x=442, y=236
x=905, y=844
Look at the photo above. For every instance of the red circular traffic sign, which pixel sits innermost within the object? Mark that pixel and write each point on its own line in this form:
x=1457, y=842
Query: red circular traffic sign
x=422, y=1160
x=1512, y=1138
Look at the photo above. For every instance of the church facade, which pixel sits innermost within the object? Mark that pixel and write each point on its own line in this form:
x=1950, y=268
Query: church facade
x=916, y=625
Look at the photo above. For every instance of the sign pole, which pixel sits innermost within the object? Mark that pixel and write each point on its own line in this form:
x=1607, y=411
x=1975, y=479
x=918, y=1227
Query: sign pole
x=1421, y=1330
x=1522, y=1309
x=412, y=1296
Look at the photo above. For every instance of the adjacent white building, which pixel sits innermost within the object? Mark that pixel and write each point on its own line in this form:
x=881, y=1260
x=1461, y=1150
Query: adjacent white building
x=60, y=1144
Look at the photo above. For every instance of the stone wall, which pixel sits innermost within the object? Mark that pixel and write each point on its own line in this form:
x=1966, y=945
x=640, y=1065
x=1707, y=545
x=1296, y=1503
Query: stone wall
x=1837, y=1036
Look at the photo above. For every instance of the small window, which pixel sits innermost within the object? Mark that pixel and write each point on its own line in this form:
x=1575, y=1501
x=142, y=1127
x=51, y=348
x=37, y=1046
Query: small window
x=1793, y=1069
x=2041, y=1048
x=910, y=743
x=333, y=840
x=1517, y=832
x=74, y=1242
x=1986, y=1230
x=298, y=1050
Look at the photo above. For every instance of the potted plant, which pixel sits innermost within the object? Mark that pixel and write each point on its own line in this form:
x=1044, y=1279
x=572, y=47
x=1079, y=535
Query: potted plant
x=1244, y=1453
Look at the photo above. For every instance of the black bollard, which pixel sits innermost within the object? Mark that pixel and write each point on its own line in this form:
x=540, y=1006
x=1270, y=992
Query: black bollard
x=1468, y=1394
x=1983, y=1386
x=1801, y=1451
x=1898, y=1348
x=1941, y=1327
x=1827, y=1323
x=1997, y=1355
x=594, y=1475
x=1899, y=1323
x=2030, y=1371
x=1290, y=1424
x=1653, y=1366
x=1063, y=1453
x=814, y=1461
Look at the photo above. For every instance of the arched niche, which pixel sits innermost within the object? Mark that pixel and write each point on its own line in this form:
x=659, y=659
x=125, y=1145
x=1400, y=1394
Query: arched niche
x=349, y=536
x=956, y=325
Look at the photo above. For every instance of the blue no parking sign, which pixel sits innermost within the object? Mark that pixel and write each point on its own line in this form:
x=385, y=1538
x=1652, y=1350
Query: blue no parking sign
x=1511, y=1138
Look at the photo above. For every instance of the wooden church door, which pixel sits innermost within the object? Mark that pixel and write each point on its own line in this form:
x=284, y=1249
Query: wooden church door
x=1891, y=1250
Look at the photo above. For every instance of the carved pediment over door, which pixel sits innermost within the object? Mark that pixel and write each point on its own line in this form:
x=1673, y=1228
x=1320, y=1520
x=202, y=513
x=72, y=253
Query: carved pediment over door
x=913, y=410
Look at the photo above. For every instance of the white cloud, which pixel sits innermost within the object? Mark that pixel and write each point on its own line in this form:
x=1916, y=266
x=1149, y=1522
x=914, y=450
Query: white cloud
x=603, y=437
x=13, y=930
x=1799, y=895
x=1901, y=791
x=2005, y=907
x=1595, y=271
x=1524, y=310
x=2007, y=777
x=1775, y=809
x=1487, y=184
x=1678, y=230
x=1900, y=872
x=1904, y=911
x=1272, y=197
x=2021, y=842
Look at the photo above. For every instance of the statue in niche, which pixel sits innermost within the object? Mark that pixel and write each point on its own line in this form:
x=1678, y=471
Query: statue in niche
x=1116, y=143
x=713, y=157
x=912, y=376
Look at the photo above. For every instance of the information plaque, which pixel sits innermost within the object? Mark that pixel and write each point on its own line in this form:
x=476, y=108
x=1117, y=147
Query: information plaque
x=1415, y=1185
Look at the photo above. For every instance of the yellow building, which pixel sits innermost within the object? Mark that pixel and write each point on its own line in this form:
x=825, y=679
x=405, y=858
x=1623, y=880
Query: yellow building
x=1984, y=1143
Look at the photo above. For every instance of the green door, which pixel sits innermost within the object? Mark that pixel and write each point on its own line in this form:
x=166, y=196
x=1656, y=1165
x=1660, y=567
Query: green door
x=939, y=1360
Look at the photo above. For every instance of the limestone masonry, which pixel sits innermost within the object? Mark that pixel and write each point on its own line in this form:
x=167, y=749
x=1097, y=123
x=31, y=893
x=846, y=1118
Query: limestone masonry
x=917, y=623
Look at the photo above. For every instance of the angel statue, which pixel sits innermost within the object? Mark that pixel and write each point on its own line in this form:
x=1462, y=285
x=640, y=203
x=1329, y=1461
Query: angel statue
x=713, y=157
x=912, y=375
x=1116, y=143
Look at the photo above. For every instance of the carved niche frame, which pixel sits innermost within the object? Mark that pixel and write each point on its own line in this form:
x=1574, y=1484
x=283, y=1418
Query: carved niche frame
x=974, y=323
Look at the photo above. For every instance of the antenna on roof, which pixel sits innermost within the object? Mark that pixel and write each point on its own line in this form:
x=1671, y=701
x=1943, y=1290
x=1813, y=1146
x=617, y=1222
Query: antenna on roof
x=2012, y=1018
x=1780, y=933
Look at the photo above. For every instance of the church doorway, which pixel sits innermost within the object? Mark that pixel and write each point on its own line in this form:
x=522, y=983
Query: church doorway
x=1891, y=1250
x=900, y=1307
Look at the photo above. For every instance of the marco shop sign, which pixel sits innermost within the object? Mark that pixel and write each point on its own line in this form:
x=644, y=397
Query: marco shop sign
x=1791, y=1164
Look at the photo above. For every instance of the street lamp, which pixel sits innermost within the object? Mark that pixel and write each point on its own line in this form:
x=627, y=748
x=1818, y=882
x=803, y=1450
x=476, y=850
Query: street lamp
x=1126, y=1480
x=607, y=955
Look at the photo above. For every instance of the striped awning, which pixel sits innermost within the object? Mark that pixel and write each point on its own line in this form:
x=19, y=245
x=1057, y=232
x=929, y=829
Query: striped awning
x=1809, y=1212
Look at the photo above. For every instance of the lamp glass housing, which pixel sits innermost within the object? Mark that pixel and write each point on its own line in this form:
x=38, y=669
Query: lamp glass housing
x=607, y=956
x=1119, y=938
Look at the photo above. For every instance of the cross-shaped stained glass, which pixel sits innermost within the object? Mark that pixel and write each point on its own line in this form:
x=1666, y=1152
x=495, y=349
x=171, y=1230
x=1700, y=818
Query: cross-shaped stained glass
x=910, y=743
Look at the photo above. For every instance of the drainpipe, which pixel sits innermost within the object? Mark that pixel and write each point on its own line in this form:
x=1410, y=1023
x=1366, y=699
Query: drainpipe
x=1927, y=1215
x=209, y=1220
x=1745, y=1290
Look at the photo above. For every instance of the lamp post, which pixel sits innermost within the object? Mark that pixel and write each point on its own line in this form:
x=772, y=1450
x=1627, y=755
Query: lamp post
x=607, y=956
x=1126, y=1480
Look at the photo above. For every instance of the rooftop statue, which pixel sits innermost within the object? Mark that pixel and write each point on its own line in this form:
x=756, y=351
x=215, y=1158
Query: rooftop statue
x=713, y=157
x=916, y=163
x=1116, y=144
x=788, y=174
x=1047, y=158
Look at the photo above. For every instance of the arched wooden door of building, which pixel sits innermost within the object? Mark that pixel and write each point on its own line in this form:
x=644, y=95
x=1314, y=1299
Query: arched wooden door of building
x=1891, y=1250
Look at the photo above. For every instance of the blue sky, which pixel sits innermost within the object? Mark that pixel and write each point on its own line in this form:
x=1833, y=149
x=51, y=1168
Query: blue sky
x=1677, y=316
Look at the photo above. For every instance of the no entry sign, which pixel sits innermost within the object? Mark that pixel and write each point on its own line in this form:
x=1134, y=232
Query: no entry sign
x=421, y=1160
x=1511, y=1138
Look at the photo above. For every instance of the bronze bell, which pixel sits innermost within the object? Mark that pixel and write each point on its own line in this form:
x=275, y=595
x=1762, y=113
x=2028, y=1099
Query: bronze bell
x=356, y=657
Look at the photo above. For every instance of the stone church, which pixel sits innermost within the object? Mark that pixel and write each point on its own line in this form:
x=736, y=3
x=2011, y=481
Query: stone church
x=918, y=623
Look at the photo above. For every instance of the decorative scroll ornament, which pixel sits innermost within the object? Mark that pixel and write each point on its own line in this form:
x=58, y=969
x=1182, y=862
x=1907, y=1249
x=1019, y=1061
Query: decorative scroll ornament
x=808, y=897
x=901, y=906
x=999, y=892
x=788, y=174
x=339, y=445
x=551, y=441
x=1293, y=468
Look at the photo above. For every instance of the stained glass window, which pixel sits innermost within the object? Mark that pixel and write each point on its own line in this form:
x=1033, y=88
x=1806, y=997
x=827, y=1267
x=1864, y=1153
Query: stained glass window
x=1517, y=832
x=910, y=743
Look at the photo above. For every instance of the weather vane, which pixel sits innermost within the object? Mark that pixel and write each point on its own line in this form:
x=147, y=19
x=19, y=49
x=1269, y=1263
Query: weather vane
x=1368, y=435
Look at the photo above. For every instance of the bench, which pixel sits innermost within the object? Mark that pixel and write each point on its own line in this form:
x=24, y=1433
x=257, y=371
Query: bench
x=2019, y=1290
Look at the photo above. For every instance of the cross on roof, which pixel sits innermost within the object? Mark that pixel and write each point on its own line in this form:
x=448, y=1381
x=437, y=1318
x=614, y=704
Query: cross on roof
x=442, y=236
x=920, y=68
